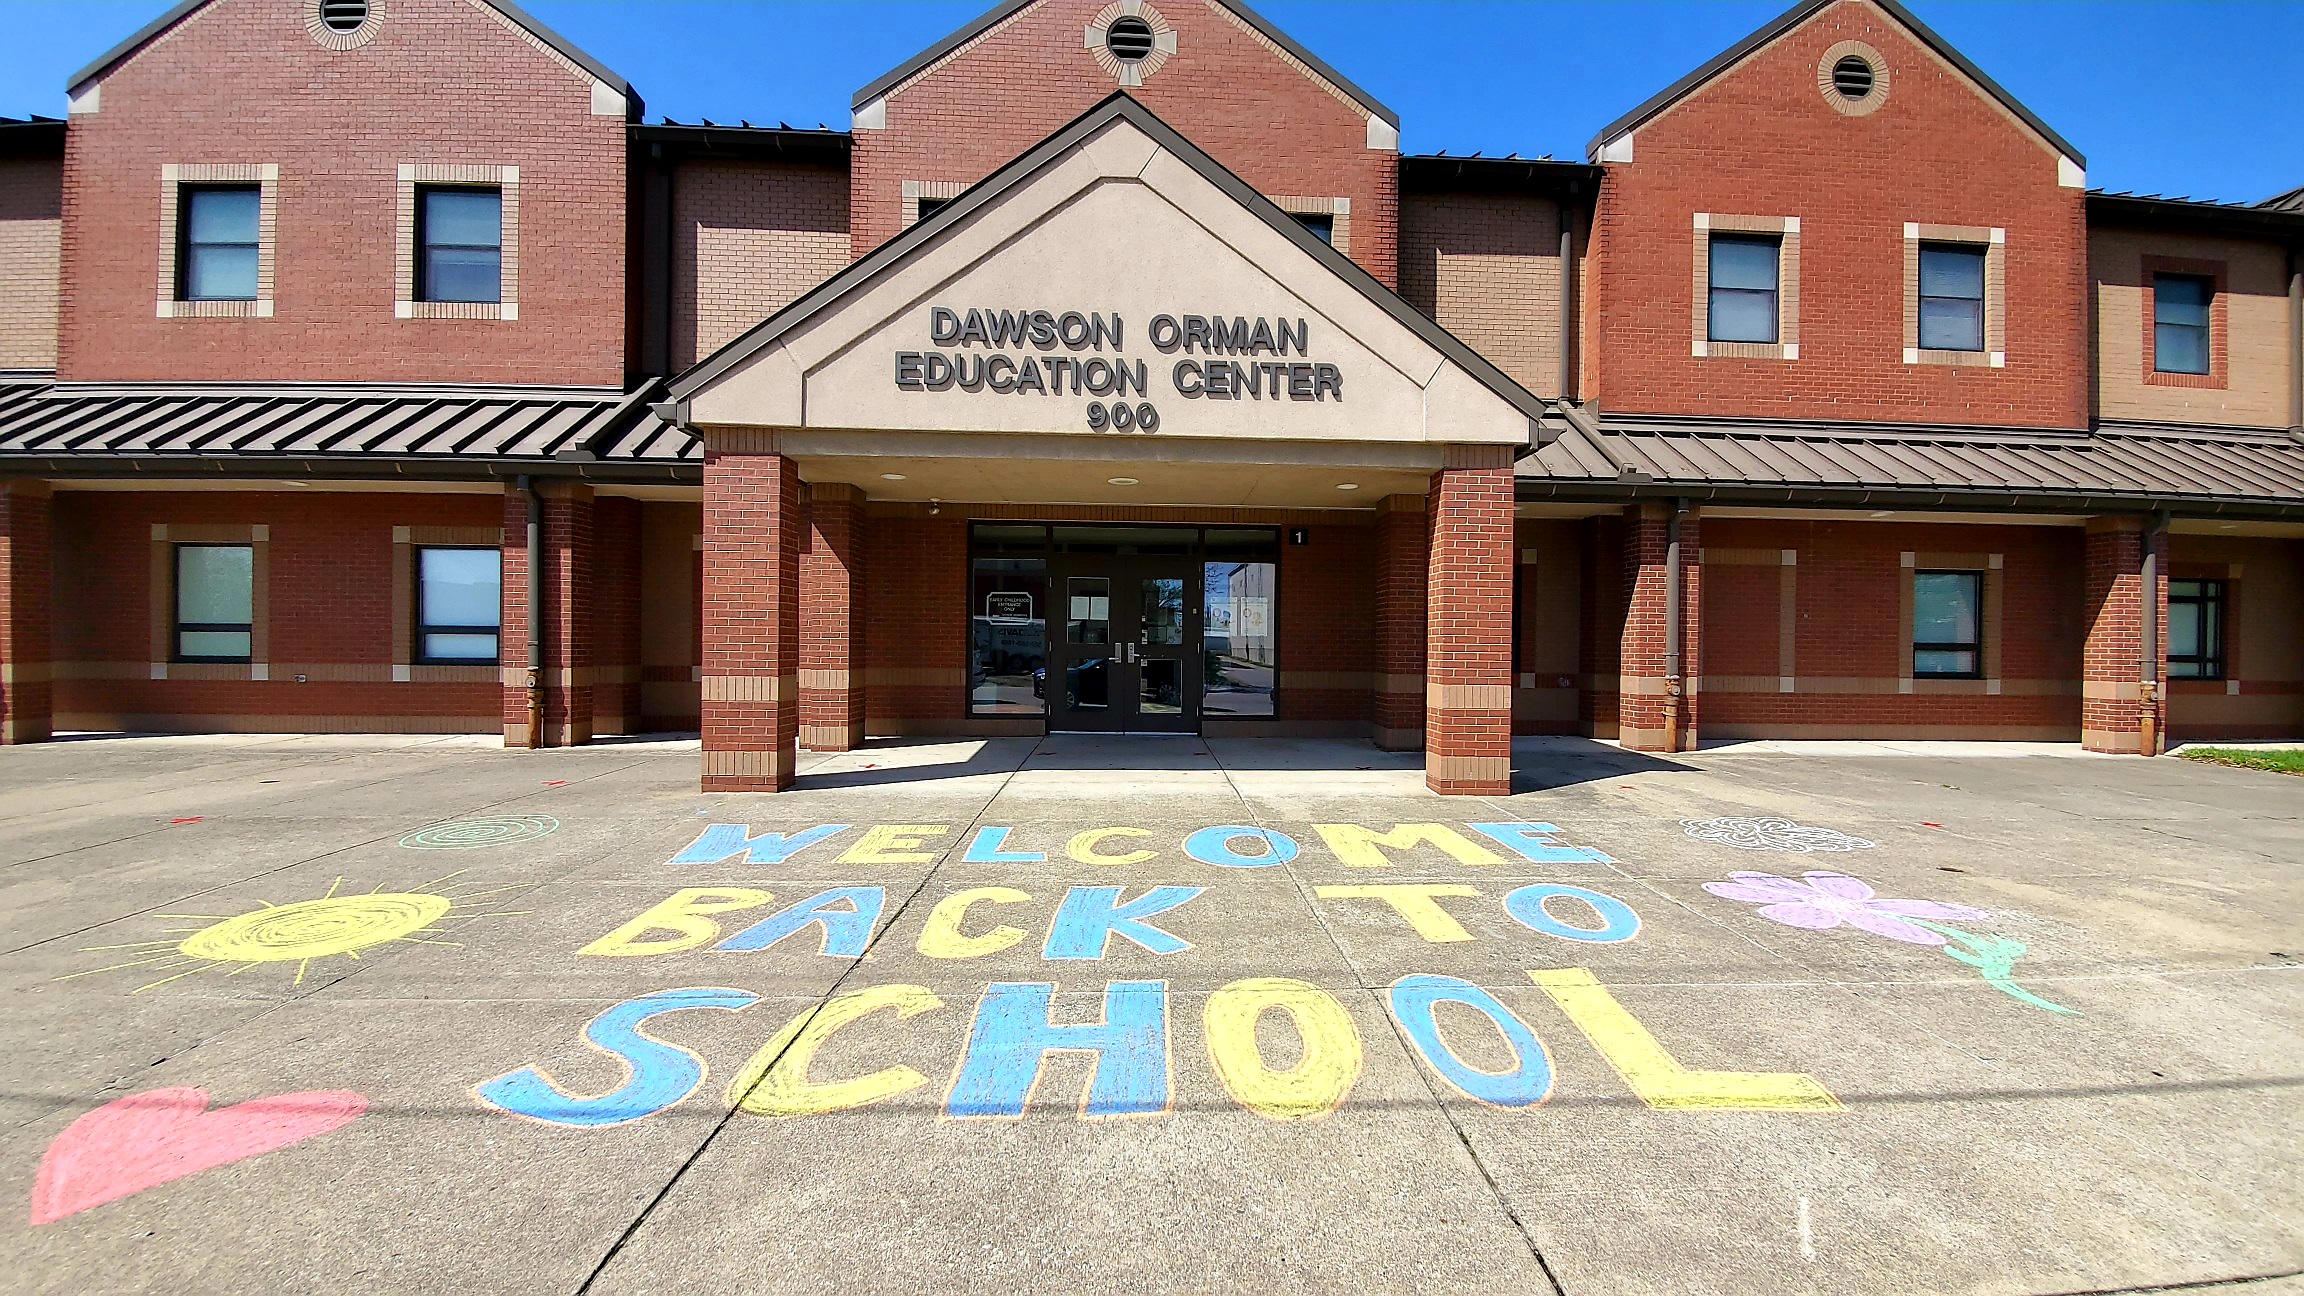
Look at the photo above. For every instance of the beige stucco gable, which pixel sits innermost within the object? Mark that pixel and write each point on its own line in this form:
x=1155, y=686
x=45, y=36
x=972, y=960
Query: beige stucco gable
x=1146, y=239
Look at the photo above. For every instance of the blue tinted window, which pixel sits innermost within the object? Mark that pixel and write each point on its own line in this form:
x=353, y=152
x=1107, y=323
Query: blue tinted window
x=2180, y=323
x=216, y=247
x=461, y=252
x=1947, y=624
x=1952, y=298
x=1743, y=302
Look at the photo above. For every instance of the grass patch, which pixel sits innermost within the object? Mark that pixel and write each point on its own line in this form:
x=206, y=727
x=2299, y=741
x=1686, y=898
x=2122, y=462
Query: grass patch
x=2277, y=761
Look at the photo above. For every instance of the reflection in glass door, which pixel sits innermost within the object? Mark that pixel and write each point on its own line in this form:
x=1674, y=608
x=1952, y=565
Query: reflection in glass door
x=1130, y=632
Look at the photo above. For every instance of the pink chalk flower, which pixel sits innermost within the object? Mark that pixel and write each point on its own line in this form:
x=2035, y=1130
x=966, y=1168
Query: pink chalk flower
x=1826, y=900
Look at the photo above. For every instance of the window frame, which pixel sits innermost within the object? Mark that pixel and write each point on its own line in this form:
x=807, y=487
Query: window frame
x=1320, y=225
x=1974, y=646
x=2206, y=326
x=179, y=626
x=1982, y=252
x=186, y=192
x=422, y=630
x=1774, y=293
x=420, y=284
x=2216, y=594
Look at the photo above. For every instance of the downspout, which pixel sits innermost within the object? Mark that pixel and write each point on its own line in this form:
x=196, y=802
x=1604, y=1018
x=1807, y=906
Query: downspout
x=527, y=486
x=1672, y=672
x=2295, y=345
x=1567, y=301
x=2148, y=688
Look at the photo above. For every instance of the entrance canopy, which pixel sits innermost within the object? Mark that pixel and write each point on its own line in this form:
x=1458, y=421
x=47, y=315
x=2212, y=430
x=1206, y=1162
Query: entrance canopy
x=1113, y=296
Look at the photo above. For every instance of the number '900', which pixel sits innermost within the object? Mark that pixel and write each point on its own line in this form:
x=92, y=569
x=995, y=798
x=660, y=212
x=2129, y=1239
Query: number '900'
x=1120, y=416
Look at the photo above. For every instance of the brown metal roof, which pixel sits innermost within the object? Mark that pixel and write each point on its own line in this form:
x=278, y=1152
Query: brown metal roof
x=2132, y=465
x=209, y=426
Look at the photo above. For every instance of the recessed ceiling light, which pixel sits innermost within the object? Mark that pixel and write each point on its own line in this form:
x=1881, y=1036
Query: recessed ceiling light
x=1347, y=485
x=891, y=476
x=1121, y=481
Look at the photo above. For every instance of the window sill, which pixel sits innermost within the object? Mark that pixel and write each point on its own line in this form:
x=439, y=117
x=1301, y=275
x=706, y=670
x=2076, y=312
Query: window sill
x=456, y=310
x=210, y=670
x=1950, y=685
x=448, y=673
x=1747, y=350
x=2164, y=378
x=1958, y=359
x=242, y=308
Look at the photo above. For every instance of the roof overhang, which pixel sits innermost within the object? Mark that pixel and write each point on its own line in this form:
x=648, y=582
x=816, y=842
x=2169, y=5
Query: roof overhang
x=1114, y=217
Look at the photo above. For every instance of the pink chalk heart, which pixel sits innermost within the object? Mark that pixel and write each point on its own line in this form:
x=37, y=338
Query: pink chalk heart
x=148, y=1139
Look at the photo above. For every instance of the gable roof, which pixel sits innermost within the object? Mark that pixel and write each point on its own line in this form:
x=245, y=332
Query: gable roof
x=1792, y=18
x=150, y=31
x=1118, y=106
x=1006, y=9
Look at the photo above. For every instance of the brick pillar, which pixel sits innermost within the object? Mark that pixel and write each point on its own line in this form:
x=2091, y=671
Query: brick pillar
x=25, y=558
x=2112, y=706
x=1402, y=552
x=1468, y=694
x=752, y=532
x=1644, y=690
x=616, y=602
x=566, y=597
x=831, y=621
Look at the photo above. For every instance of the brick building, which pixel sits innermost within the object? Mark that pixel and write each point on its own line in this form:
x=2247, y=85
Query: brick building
x=375, y=366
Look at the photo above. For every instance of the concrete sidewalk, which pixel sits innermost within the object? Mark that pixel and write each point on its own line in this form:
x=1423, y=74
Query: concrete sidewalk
x=531, y=1022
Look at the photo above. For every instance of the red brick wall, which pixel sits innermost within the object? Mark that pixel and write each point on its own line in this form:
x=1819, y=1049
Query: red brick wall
x=1604, y=607
x=753, y=527
x=1225, y=90
x=1644, y=720
x=27, y=567
x=330, y=611
x=1400, y=620
x=1325, y=649
x=1468, y=728
x=616, y=704
x=748, y=239
x=916, y=622
x=443, y=81
x=1760, y=140
x=1849, y=653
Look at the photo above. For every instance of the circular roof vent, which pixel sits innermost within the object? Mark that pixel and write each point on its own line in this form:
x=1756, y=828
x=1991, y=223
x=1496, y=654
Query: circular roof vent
x=1852, y=76
x=1129, y=39
x=343, y=16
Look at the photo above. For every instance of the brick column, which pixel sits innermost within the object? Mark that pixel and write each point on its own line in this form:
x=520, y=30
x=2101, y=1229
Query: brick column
x=616, y=601
x=1468, y=670
x=25, y=558
x=1644, y=691
x=831, y=623
x=566, y=597
x=1402, y=550
x=752, y=532
x=2112, y=706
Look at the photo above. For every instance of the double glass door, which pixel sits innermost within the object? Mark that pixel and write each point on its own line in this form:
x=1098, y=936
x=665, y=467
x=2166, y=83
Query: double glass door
x=1124, y=644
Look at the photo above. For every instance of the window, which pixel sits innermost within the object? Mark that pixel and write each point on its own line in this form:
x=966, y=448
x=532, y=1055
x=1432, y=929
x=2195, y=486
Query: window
x=1743, y=282
x=217, y=243
x=1947, y=625
x=929, y=207
x=1951, y=297
x=1322, y=224
x=460, y=245
x=2180, y=306
x=2195, y=629
x=215, y=602
x=459, y=605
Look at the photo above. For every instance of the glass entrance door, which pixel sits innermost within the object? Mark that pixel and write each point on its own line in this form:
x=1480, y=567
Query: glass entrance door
x=1130, y=635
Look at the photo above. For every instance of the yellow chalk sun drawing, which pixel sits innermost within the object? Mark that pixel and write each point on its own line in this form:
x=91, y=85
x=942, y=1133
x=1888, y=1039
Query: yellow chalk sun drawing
x=306, y=931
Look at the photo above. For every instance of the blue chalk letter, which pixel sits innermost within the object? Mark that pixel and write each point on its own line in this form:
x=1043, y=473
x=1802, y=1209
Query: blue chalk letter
x=989, y=846
x=1012, y=1034
x=1617, y=921
x=846, y=931
x=1214, y=846
x=720, y=841
x=1528, y=1083
x=660, y=1074
x=1091, y=915
x=1533, y=842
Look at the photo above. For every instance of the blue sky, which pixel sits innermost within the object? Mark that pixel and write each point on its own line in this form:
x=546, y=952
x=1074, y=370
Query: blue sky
x=2179, y=98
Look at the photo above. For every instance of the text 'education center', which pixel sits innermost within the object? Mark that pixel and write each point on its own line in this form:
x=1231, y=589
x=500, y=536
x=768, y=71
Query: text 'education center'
x=376, y=367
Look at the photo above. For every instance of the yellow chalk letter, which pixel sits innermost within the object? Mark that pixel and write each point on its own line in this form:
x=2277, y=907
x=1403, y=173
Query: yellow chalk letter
x=1309, y=1090
x=1659, y=1078
x=681, y=913
x=1083, y=847
x=1362, y=847
x=894, y=844
x=941, y=937
x=1412, y=901
x=775, y=1081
